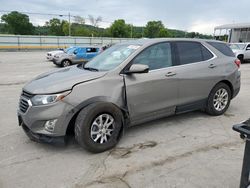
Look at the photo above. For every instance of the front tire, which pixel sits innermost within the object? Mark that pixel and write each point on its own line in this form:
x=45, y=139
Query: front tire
x=219, y=99
x=65, y=63
x=98, y=127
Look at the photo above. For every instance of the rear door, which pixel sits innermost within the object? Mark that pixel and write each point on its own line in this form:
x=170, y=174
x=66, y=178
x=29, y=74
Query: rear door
x=153, y=94
x=197, y=72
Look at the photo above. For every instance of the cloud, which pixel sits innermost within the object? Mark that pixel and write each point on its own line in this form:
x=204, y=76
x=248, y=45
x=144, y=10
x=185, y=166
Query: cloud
x=191, y=15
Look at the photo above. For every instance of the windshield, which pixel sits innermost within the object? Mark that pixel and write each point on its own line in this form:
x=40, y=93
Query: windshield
x=70, y=50
x=237, y=46
x=112, y=57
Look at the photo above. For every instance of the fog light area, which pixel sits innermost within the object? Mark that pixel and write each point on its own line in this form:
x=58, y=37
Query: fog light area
x=50, y=125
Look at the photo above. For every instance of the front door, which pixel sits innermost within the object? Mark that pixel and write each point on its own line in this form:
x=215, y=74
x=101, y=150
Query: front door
x=247, y=52
x=154, y=94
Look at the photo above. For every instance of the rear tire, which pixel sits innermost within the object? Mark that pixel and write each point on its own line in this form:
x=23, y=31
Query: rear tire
x=219, y=99
x=98, y=126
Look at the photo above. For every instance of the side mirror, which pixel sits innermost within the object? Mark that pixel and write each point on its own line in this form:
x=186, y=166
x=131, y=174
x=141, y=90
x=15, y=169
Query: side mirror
x=248, y=48
x=75, y=52
x=137, y=68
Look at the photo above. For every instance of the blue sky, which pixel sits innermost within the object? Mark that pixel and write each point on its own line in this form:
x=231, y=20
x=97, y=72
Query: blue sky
x=189, y=15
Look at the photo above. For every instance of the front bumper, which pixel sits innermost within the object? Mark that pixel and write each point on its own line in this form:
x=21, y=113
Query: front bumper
x=56, y=61
x=58, y=140
x=49, y=58
x=35, y=118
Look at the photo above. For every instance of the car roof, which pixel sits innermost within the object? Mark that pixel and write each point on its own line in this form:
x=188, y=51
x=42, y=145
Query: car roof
x=144, y=41
x=84, y=47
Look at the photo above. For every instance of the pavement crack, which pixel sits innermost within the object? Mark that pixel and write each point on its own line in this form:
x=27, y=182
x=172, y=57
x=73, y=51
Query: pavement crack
x=11, y=84
x=21, y=162
x=125, y=152
x=120, y=177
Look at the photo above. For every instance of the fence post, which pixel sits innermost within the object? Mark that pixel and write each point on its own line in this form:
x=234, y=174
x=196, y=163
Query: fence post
x=40, y=39
x=58, y=44
x=18, y=42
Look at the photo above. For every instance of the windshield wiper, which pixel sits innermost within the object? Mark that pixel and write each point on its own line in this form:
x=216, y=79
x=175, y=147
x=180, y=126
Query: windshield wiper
x=90, y=69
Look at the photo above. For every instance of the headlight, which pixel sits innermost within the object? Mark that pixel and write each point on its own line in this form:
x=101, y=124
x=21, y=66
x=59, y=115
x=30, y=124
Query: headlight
x=56, y=56
x=48, y=99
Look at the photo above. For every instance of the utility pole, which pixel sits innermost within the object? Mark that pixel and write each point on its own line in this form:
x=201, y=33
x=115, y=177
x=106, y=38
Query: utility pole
x=69, y=25
x=131, y=31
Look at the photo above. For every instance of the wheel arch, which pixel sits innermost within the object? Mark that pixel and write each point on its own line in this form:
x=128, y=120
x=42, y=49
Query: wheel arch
x=239, y=56
x=229, y=84
x=77, y=109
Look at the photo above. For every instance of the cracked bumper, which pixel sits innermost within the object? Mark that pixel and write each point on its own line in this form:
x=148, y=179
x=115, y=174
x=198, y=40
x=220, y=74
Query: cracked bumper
x=58, y=140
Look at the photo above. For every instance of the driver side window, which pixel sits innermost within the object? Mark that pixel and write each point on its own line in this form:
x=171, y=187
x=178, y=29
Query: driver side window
x=156, y=57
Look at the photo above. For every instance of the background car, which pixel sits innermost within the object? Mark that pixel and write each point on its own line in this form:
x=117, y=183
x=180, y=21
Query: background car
x=75, y=55
x=241, y=51
x=50, y=55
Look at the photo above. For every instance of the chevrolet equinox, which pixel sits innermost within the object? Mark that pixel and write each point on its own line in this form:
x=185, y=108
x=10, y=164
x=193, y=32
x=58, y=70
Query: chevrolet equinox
x=128, y=84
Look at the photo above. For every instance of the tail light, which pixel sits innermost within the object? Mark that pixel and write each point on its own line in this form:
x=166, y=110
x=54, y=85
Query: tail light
x=237, y=62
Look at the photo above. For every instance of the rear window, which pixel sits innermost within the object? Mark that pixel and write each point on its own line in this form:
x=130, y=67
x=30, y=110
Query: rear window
x=91, y=50
x=206, y=53
x=223, y=48
x=189, y=52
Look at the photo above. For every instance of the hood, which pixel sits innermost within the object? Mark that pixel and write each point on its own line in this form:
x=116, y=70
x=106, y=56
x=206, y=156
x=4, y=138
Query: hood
x=237, y=51
x=60, y=80
x=55, y=52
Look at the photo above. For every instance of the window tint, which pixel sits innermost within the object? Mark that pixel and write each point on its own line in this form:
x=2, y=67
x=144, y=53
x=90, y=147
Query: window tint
x=189, y=52
x=91, y=50
x=206, y=53
x=223, y=48
x=156, y=57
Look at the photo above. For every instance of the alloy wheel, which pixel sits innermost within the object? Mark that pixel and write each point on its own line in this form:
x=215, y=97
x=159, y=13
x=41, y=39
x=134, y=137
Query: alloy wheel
x=102, y=128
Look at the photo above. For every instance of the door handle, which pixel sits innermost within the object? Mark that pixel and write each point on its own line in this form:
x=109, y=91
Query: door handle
x=169, y=74
x=211, y=66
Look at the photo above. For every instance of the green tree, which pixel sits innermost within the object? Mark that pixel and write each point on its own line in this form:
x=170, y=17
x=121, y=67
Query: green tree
x=164, y=33
x=155, y=29
x=65, y=28
x=17, y=23
x=56, y=26
x=120, y=29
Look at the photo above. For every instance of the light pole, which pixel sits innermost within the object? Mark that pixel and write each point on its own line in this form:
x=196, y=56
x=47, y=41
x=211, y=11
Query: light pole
x=131, y=30
x=69, y=25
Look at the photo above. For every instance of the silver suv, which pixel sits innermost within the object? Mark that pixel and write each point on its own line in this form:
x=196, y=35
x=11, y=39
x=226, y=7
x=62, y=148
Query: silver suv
x=128, y=84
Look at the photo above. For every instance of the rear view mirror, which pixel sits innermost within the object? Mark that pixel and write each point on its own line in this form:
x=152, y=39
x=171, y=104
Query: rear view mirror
x=137, y=68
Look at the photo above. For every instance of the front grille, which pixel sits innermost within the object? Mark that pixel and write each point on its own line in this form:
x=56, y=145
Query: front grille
x=27, y=95
x=23, y=103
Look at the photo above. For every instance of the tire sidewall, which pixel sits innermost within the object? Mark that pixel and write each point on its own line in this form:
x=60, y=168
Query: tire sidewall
x=63, y=65
x=84, y=122
x=211, y=107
